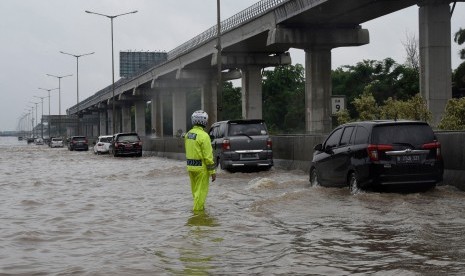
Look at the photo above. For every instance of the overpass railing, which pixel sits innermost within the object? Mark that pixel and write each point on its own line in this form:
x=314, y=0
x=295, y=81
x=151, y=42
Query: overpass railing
x=234, y=21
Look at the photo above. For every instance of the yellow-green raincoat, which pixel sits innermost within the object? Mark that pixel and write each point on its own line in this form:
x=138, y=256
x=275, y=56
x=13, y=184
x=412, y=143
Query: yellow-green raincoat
x=200, y=164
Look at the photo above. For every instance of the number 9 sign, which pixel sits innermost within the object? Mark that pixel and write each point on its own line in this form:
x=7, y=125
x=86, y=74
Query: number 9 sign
x=338, y=103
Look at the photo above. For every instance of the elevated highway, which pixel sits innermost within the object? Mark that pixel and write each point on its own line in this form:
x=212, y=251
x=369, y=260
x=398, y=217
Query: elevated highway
x=258, y=37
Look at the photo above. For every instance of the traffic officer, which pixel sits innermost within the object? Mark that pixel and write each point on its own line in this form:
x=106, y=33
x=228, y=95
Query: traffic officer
x=199, y=155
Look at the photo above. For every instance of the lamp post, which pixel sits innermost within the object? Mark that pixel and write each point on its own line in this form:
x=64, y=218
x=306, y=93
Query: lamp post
x=59, y=98
x=49, y=119
x=42, y=118
x=32, y=119
x=112, y=61
x=219, y=85
x=77, y=84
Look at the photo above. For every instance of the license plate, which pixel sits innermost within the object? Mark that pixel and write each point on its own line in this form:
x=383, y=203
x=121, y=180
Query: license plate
x=406, y=159
x=249, y=156
x=128, y=146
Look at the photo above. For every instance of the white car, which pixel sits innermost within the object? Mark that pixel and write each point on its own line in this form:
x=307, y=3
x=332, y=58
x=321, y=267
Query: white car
x=102, y=145
x=56, y=142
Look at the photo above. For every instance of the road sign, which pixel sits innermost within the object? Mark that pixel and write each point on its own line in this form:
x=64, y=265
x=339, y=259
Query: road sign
x=338, y=103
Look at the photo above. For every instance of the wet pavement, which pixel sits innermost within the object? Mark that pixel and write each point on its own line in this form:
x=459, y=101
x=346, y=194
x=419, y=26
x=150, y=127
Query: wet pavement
x=78, y=213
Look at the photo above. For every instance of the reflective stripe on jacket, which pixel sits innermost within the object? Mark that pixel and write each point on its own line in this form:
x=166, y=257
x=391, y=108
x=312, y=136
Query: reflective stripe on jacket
x=199, y=153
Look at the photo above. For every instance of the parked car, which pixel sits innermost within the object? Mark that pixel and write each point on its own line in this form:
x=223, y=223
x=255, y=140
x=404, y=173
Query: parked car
x=56, y=142
x=39, y=141
x=102, y=145
x=126, y=144
x=78, y=143
x=378, y=155
x=241, y=143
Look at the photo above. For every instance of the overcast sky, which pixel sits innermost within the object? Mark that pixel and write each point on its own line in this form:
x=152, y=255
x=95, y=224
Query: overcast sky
x=33, y=32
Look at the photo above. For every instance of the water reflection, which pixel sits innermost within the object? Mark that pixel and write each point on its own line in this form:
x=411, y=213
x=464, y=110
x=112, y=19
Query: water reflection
x=202, y=218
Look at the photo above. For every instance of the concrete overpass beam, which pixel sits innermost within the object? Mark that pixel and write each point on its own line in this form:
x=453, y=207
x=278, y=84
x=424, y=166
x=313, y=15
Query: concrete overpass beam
x=318, y=90
x=435, y=55
x=139, y=108
x=302, y=38
x=179, y=112
x=252, y=92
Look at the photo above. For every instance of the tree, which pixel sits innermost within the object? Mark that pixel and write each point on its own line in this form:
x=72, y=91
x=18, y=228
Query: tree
x=460, y=39
x=284, y=98
x=383, y=79
x=454, y=117
x=232, y=105
x=411, y=49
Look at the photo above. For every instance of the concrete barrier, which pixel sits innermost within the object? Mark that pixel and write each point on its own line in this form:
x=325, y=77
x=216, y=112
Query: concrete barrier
x=294, y=152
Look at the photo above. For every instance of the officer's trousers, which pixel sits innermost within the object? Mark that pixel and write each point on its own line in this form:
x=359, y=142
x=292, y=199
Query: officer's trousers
x=199, y=185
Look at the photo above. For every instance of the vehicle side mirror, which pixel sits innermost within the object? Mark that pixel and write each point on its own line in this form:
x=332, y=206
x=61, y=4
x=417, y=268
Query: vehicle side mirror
x=318, y=147
x=212, y=137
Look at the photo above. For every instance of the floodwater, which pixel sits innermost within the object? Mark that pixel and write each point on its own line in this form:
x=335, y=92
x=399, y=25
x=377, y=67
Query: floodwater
x=76, y=213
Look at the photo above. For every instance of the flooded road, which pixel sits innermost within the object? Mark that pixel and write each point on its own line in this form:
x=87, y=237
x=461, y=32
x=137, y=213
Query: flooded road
x=78, y=213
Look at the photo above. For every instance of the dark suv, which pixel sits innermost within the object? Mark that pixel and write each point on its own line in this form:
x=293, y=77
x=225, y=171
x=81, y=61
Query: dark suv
x=241, y=143
x=378, y=154
x=128, y=144
x=78, y=143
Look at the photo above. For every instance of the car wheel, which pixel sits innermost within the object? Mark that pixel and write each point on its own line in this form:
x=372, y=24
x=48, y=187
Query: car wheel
x=314, y=178
x=115, y=154
x=354, y=186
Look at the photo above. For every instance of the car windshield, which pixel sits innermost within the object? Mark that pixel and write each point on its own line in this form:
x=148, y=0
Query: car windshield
x=413, y=134
x=247, y=129
x=105, y=139
x=56, y=139
x=128, y=138
x=79, y=139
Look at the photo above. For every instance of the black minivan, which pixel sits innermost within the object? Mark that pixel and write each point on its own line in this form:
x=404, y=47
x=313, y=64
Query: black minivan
x=378, y=154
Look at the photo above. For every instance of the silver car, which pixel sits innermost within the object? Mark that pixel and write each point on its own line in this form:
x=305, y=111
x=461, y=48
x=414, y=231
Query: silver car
x=241, y=144
x=56, y=142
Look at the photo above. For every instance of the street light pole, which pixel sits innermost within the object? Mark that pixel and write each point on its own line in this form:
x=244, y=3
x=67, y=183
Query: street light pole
x=77, y=84
x=112, y=61
x=36, y=117
x=49, y=119
x=59, y=98
x=42, y=118
x=219, y=85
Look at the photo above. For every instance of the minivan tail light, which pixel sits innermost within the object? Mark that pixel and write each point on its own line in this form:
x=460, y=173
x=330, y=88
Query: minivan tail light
x=226, y=144
x=269, y=143
x=432, y=146
x=373, y=151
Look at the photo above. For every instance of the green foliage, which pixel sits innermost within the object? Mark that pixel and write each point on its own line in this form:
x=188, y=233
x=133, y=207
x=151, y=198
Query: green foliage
x=414, y=108
x=232, y=105
x=366, y=106
x=284, y=99
x=384, y=79
x=454, y=117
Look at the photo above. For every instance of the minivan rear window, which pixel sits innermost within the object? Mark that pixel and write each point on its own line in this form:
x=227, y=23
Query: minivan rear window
x=248, y=129
x=413, y=134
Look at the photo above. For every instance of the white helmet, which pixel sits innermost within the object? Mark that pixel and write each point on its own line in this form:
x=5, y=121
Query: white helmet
x=200, y=117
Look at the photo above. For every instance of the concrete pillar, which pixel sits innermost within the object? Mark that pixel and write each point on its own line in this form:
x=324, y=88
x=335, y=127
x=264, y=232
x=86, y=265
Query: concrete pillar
x=110, y=122
x=252, y=93
x=435, y=55
x=156, y=115
x=318, y=90
x=140, y=117
x=104, y=122
x=179, y=112
x=209, y=100
x=126, y=118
